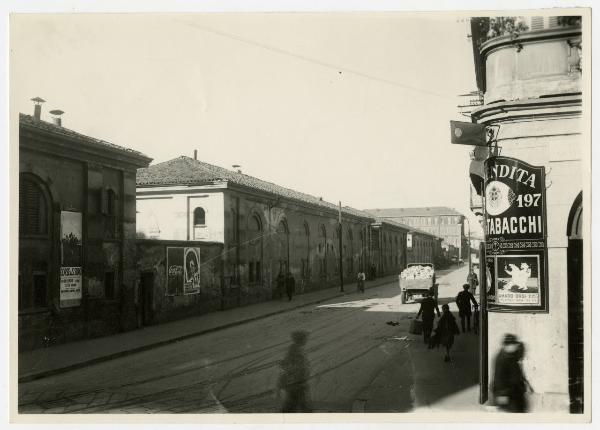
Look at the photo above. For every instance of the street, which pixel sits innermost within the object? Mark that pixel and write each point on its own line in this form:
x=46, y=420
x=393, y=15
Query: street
x=357, y=363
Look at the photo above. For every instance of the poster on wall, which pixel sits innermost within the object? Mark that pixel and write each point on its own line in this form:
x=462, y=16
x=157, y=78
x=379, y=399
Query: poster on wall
x=515, y=236
x=70, y=286
x=192, y=271
x=183, y=271
x=71, y=259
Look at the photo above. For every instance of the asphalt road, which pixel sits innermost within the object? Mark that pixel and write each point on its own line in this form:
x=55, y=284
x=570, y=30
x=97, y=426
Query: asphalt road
x=357, y=363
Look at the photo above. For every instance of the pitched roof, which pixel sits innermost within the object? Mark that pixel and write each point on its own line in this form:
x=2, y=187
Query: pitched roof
x=187, y=171
x=407, y=227
x=413, y=212
x=30, y=122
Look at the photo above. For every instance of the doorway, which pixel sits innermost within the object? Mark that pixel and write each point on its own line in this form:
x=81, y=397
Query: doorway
x=575, y=306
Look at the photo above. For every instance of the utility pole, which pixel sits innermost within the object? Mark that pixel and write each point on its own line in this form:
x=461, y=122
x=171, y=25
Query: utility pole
x=340, y=245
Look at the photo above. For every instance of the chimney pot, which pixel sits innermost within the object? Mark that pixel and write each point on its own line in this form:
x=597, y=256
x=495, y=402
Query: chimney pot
x=57, y=119
x=37, y=107
x=195, y=154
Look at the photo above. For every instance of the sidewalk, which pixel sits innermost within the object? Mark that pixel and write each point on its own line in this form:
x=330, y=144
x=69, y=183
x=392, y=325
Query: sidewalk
x=44, y=362
x=447, y=387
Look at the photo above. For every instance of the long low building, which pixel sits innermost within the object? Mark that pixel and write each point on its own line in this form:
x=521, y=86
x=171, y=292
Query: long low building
x=266, y=231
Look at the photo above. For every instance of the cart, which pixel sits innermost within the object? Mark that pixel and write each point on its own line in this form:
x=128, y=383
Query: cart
x=415, y=287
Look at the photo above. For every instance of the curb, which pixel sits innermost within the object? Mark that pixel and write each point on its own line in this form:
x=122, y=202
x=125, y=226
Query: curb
x=46, y=373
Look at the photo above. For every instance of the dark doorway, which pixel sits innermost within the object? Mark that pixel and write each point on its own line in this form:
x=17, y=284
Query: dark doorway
x=575, y=299
x=575, y=304
x=146, y=297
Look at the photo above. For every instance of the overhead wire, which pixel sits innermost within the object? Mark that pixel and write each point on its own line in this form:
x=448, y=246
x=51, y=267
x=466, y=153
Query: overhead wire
x=321, y=63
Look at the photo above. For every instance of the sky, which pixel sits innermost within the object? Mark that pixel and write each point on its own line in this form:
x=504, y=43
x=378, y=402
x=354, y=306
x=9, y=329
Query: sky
x=351, y=107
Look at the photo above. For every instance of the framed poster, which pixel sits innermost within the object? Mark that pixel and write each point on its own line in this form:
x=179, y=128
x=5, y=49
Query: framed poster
x=174, y=271
x=192, y=271
x=183, y=271
x=515, y=236
x=71, y=259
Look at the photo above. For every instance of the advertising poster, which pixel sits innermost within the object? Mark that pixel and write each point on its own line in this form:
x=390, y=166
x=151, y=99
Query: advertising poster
x=70, y=286
x=515, y=236
x=71, y=259
x=183, y=271
x=192, y=271
x=174, y=271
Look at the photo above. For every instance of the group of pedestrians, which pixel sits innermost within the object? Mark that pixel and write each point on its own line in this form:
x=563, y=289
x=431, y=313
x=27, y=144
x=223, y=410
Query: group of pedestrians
x=447, y=327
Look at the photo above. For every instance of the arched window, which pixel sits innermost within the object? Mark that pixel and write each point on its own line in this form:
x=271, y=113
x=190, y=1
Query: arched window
x=33, y=208
x=199, y=216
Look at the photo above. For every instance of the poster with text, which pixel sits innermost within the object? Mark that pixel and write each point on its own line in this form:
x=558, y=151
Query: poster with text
x=70, y=286
x=515, y=235
x=183, y=271
x=174, y=271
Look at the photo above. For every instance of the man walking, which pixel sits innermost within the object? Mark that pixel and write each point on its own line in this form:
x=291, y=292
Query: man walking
x=463, y=301
x=428, y=306
x=290, y=286
x=360, y=280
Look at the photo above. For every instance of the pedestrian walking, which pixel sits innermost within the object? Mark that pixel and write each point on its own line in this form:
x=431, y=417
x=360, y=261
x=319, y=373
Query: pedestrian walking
x=360, y=281
x=293, y=379
x=433, y=292
x=445, y=331
x=510, y=384
x=463, y=301
x=472, y=280
x=290, y=286
x=280, y=285
x=428, y=309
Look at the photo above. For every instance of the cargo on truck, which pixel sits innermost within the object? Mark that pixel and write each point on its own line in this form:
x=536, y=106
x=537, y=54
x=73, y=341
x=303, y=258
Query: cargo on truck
x=415, y=280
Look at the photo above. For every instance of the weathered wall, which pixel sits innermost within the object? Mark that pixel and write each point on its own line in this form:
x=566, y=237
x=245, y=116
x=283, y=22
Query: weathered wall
x=213, y=295
x=171, y=216
x=78, y=185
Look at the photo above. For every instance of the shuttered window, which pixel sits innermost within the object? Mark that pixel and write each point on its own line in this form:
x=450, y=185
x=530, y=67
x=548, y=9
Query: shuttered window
x=33, y=209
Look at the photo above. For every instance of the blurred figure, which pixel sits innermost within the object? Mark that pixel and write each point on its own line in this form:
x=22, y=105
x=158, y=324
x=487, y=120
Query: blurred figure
x=433, y=292
x=360, y=281
x=290, y=285
x=510, y=383
x=463, y=301
x=280, y=284
x=428, y=309
x=445, y=331
x=293, y=380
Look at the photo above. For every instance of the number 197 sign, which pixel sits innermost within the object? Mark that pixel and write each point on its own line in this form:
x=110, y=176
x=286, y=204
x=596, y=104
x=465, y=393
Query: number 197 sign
x=515, y=236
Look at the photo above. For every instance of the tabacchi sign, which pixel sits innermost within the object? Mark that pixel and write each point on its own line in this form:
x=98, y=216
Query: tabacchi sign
x=515, y=236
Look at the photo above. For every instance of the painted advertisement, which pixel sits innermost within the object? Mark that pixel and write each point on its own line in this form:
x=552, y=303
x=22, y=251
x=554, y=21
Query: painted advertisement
x=183, y=271
x=71, y=259
x=515, y=236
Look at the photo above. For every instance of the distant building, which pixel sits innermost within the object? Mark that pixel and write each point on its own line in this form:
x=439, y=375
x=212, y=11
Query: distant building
x=440, y=221
x=77, y=261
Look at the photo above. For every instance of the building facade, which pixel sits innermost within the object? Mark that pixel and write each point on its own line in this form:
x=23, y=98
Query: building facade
x=77, y=255
x=529, y=70
x=267, y=230
x=440, y=221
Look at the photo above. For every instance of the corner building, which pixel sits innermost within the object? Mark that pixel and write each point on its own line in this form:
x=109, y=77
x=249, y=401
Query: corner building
x=531, y=81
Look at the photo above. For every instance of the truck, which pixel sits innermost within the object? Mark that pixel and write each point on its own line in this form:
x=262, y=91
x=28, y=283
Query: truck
x=415, y=280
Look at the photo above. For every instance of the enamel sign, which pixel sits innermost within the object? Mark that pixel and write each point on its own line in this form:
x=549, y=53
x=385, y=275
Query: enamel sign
x=515, y=236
